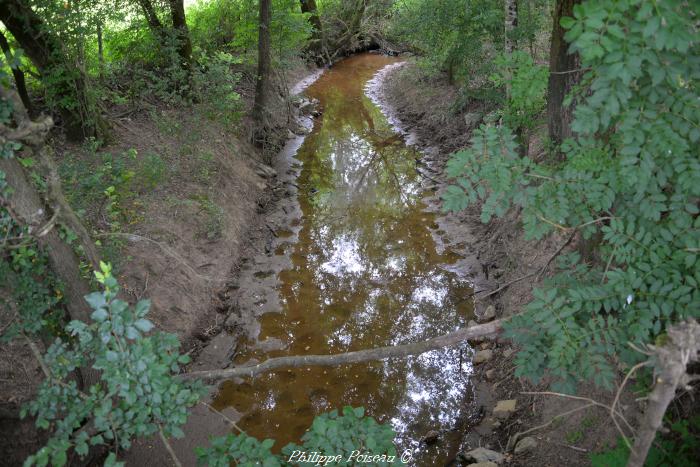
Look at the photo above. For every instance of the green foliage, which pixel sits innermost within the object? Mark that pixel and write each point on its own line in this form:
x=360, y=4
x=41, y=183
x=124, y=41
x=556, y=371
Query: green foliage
x=233, y=26
x=213, y=226
x=330, y=434
x=112, y=180
x=630, y=180
x=335, y=434
x=242, y=449
x=528, y=84
x=137, y=394
x=679, y=448
x=153, y=171
x=454, y=36
x=215, y=83
x=33, y=288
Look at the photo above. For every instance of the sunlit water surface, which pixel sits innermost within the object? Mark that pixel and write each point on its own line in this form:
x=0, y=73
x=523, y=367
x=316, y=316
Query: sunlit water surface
x=366, y=272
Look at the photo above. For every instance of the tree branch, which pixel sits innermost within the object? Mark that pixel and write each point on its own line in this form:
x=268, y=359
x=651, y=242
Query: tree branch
x=481, y=331
x=170, y=449
x=672, y=360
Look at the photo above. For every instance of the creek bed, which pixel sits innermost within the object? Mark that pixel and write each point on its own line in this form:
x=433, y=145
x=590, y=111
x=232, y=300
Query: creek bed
x=359, y=265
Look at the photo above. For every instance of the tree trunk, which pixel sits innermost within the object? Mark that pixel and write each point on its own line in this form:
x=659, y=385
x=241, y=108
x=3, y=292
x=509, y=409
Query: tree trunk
x=511, y=22
x=80, y=118
x=563, y=76
x=182, y=34
x=28, y=208
x=153, y=21
x=262, y=87
x=100, y=52
x=670, y=374
x=316, y=43
x=18, y=75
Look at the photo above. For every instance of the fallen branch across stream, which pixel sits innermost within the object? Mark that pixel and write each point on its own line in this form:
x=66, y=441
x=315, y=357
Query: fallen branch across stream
x=481, y=331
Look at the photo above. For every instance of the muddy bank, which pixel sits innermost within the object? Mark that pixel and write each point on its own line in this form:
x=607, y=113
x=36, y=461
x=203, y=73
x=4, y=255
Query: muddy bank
x=424, y=107
x=217, y=343
x=188, y=196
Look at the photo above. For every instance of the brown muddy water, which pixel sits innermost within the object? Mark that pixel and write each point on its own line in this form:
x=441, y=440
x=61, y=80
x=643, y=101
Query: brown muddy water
x=362, y=268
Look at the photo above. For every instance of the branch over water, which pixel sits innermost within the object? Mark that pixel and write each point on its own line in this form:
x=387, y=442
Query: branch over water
x=481, y=331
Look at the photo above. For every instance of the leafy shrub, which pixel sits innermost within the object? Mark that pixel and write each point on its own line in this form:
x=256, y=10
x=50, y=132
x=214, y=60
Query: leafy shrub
x=631, y=179
x=527, y=82
x=137, y=394
x=216, y=83
x=330, y=434
x=153, y=170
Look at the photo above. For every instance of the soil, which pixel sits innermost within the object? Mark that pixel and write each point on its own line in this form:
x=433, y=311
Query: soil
x=195, y=208
x=423, y=107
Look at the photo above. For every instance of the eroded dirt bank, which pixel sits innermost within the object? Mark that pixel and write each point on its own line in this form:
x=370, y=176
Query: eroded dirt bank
x=424, y=107
x=187, y=199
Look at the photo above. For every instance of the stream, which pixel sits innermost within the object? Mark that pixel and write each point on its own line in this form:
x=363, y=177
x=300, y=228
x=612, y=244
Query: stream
x=355, y=262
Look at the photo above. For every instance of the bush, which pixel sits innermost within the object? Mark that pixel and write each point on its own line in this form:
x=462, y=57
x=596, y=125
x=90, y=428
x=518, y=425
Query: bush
x=630, y=181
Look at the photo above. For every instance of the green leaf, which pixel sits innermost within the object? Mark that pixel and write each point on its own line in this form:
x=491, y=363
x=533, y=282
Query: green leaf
x=143, y=325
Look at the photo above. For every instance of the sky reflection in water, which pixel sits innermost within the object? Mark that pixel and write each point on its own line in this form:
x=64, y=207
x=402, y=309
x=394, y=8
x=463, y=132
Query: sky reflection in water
x=365, y=273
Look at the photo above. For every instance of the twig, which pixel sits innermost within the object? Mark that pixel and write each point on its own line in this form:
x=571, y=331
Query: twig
x=179, y=258
x=38, y=357
x=516, y=437
x=587, y=399
x=554, y=255
x=170, y=449
x=507, y=284
x=231, y=422
x=577, y=70
x=575, y=448
x=622, y=386
x=271, y=230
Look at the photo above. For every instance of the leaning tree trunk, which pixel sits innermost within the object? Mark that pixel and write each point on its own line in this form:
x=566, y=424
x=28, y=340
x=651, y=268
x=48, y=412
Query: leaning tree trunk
x=25, y=205
x=80, y=118
x=261, y=119
x=563, y=75
x=18, y=74
x=154, y=23
x=670, y=374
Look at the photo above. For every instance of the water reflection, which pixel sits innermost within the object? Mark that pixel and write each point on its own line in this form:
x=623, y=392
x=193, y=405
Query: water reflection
x=365, y=272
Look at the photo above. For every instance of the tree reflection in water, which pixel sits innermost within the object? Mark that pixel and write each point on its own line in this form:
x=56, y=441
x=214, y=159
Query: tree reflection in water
x=365, y=273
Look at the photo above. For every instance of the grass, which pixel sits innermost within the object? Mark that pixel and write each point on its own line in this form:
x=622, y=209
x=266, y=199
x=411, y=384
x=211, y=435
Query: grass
x=577, y=435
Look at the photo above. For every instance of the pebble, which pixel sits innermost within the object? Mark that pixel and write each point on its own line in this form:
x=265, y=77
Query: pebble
x=504, y=408
x=483, y=455
x=489, y=314
x=483, y=356
x=526, y=444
